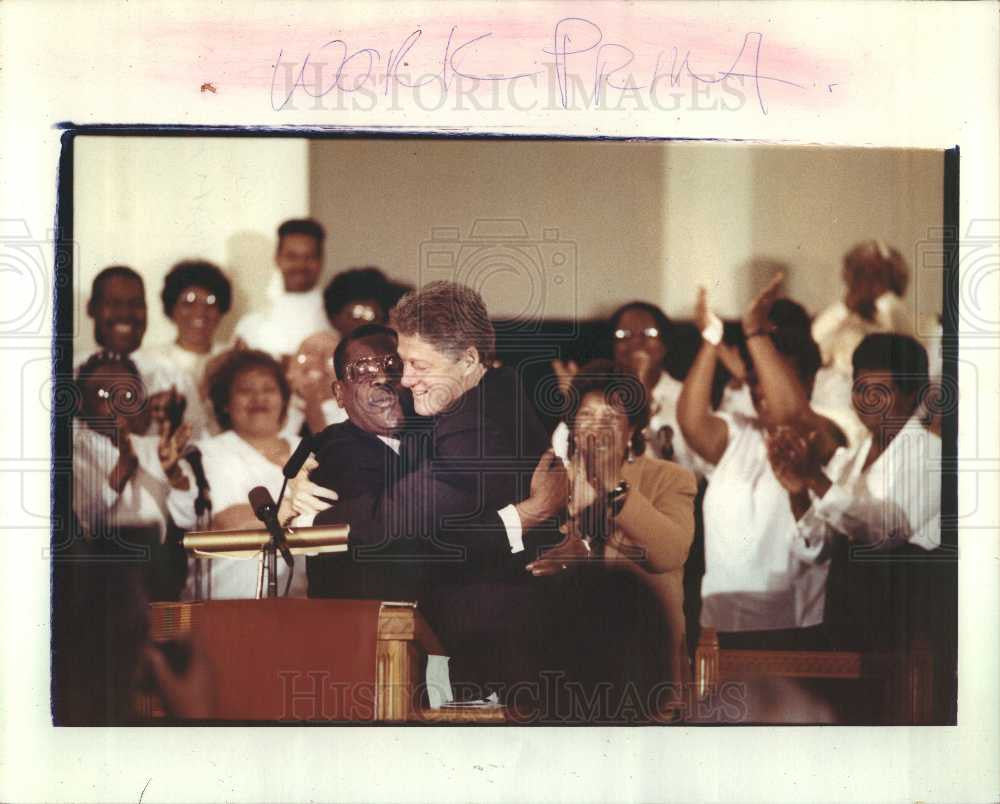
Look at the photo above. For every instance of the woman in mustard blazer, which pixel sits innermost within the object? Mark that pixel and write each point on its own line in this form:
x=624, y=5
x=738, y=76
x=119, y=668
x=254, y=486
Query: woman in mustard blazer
x=632, y=512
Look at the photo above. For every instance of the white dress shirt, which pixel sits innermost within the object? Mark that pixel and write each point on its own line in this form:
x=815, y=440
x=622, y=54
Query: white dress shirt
x=896, y=500
x=100, y=509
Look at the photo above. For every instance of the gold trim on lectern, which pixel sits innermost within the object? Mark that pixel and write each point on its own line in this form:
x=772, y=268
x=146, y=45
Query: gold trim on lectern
x=248, y=543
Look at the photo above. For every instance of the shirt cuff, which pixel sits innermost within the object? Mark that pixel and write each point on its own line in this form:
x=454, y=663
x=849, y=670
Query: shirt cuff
x=512, y=524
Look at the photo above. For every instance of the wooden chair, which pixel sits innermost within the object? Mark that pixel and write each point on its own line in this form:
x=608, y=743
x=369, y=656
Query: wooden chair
x=907, y=676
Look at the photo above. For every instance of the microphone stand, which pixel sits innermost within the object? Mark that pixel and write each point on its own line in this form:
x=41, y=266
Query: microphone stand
x=267, y=512
x=275, y=545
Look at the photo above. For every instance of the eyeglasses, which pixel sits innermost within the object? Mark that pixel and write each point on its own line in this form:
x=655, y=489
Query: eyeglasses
x=123, y=398
x=362, y=312
x=191, y=297
x=325, y=360
x=367, y=369
x=120, y=394
x=625, y=334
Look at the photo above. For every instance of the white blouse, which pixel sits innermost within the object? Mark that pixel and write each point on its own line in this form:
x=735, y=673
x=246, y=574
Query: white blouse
x=189, y=370
x=232, y=468
x=896, y=500
x=98, y=506
x=754, y=579
x=838, y=331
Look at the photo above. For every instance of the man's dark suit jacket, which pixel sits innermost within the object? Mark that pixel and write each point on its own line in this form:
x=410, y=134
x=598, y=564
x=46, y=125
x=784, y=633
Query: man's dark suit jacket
x=359, y=466
x=459, y=469
x=424, y=526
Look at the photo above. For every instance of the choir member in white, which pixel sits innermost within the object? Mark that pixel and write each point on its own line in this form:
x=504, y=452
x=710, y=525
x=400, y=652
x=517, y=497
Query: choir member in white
x=875, y=280
x=196, y=295
x=754, y=584
x=250, y=396
x=885, y=491
x=120, y=478
x=293, y=309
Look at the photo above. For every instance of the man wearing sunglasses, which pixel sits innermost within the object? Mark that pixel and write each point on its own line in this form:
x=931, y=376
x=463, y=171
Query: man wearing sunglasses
x=361, y=467
x=356, y=460
x=454, y=512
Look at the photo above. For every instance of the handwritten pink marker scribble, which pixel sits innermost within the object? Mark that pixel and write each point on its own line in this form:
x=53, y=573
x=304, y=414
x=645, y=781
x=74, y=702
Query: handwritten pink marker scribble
x=624, y=59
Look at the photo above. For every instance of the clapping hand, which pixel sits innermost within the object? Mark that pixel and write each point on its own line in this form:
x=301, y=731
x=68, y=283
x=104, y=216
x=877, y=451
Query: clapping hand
x=792, y=457
x=549, y=491
x=601, y=461
x=569, y=551
x=565, y=372
x=128, y=461
x=167, y=410
x=702, y=316
x=582, y=494
x=170, y=449
x=755, y=317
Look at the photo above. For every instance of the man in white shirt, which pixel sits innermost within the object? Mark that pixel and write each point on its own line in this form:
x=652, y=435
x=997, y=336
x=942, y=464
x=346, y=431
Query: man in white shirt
x=294, y=308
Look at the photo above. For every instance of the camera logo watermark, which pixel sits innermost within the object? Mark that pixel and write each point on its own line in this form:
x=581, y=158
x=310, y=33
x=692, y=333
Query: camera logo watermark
x=30, y=269
x=529, y=273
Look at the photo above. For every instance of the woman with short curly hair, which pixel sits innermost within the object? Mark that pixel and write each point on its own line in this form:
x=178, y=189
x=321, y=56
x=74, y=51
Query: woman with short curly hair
x=196, y=295
x=249, y=394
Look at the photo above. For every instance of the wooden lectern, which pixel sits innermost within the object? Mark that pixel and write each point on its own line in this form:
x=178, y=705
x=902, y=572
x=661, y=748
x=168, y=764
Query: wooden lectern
x=289, y=660
x=293, y=660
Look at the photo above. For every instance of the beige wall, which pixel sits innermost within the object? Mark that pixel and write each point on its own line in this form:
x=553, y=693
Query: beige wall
x=648, y=220
x=628, y=220
x=148, y=202
x=382, y=200
x=812, y=204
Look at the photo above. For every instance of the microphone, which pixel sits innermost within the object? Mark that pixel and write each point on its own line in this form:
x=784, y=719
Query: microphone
x=202, y=502
x=294, y=463
x=267, y=512
x=302, y=451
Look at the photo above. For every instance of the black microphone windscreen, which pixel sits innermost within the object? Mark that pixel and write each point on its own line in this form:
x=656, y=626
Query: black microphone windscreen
x=261, y=501
x=294, y=463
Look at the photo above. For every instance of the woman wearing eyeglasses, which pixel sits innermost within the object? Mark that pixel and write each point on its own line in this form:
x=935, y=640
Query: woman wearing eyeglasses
x=640, y=334
x=196, y=295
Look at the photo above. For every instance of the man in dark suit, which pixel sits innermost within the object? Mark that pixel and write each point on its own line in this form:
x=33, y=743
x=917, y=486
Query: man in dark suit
x=360, y=458
x=460, y=508
x=459, y=497
x=400, y=488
